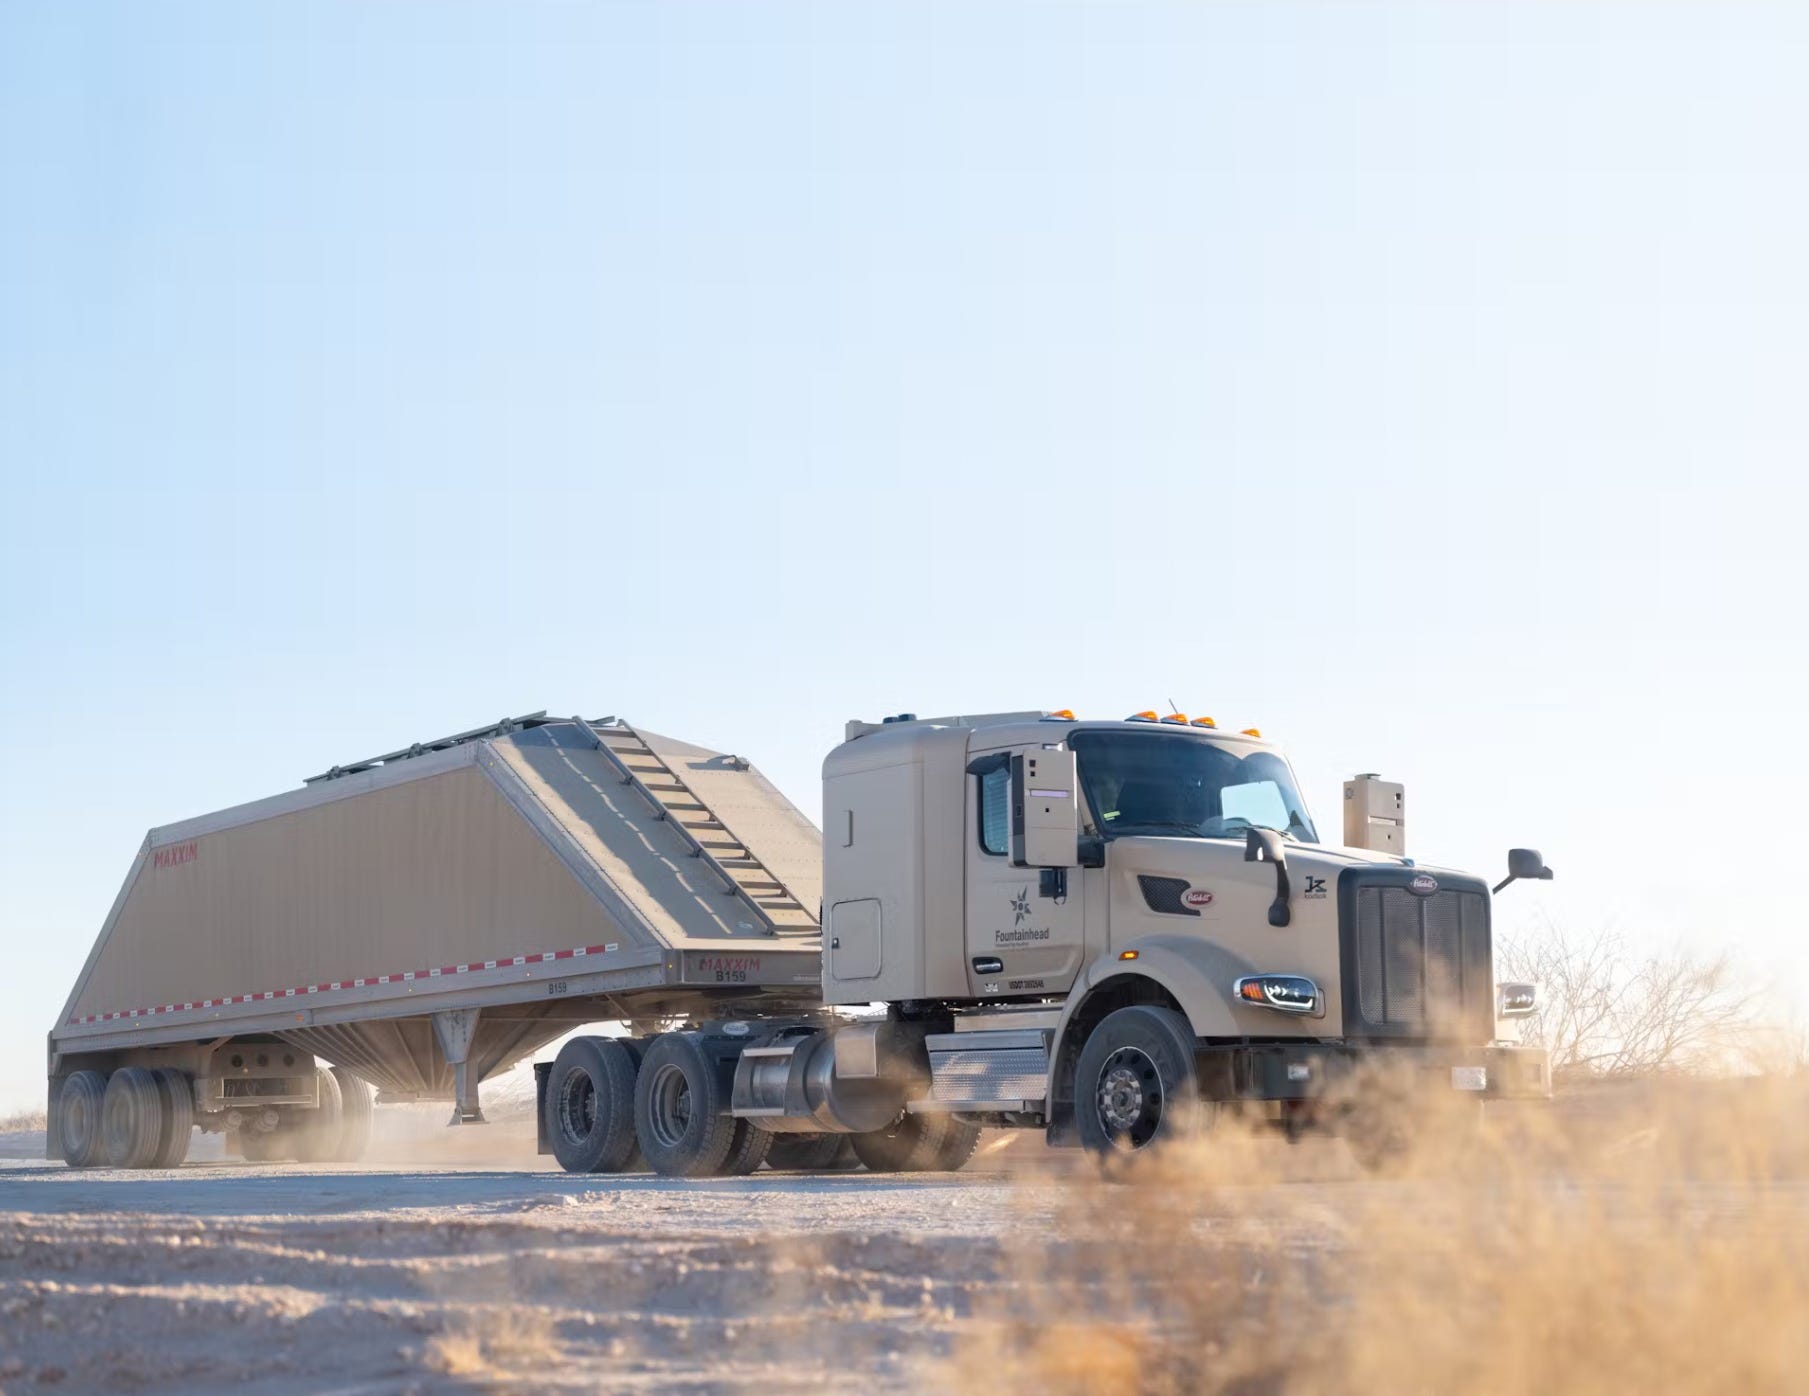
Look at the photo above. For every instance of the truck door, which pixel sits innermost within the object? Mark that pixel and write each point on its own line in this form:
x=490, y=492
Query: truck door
x=1020, y=939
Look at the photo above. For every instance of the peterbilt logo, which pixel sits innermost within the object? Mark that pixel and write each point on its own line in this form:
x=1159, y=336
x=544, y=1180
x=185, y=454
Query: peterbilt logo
x=1196, y=896
x=1424, y=885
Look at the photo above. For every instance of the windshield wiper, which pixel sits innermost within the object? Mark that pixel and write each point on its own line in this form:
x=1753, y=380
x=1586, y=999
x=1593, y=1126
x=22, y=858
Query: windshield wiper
x=1156, y=824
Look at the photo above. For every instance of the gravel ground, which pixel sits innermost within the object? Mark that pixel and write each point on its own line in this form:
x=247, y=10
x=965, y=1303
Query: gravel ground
x=490, y=1271
x=230, y=1277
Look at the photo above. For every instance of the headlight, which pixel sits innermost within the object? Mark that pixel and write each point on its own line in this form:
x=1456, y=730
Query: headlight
x=1515, y=1000
x=1289, y=993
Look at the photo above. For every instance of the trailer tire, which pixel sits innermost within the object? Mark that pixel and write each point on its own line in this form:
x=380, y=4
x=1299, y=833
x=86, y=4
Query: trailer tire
x=317, y=1132
x=678, y=1114
x=748, y=1151
x=1135, y=1085
x=131, y=1118
x=932, y=1142
x=263, y=1145
x=809, y=1153
x=356, y=1108
x=176, y=1094
x=79, y=1118
x=590, y=1115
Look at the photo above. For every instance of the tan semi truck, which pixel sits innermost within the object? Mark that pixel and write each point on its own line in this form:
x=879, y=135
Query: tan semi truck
x=1111, y=931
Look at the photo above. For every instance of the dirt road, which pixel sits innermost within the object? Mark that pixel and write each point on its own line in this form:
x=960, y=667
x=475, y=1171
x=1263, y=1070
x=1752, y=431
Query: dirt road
x=234, y=1277
x=231, y=1277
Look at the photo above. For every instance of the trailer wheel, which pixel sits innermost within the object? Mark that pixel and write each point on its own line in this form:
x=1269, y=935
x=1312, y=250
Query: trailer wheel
x=810, y=1153
x=79, y=1118
x=263, y=1145
x=927, y=1143
x=131, y=1118
x=356, y=1108
x=176, y=1094
x=317, y=1132
x=748, y=1151
x=678, y=1114
x=590, y=1106
x=1135, y=1085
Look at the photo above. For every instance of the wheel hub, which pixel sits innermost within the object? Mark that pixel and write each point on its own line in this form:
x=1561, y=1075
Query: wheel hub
x=669, y=1105
x=1130, y=1098
x=578, y=1107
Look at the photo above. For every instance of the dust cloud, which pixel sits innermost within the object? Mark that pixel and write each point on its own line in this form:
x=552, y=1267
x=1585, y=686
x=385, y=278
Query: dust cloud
x=1650, y=1237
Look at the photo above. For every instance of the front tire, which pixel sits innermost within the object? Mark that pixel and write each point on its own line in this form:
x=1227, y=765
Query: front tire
x=1136, y=1086
x=678, y=1109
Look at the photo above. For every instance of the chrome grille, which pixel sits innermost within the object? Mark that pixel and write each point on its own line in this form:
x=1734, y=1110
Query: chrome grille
x=1421, y=965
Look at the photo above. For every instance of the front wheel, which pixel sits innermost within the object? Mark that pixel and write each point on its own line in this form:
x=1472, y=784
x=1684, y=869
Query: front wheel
x=1135, y=1086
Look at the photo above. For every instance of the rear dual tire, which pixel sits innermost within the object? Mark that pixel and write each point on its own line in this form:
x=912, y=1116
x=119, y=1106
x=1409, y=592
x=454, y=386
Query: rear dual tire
x=812, y=1153
x=680, y=1114
x=79, y=1118
x=355, y=1118
x=131, y=1123
x=589, y=1113
x=927, y=1143
x=317, y=1135
x=176, y=1099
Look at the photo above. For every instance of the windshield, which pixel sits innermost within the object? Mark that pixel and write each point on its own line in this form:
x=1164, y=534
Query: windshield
x=1199, y=787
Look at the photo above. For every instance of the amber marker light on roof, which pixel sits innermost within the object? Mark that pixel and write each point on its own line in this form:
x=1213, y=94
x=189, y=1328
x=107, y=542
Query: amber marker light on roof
x=1147, y=715
x=1065, y=714
x=1180, y=719
x=1252, y=732
x=1204, y=722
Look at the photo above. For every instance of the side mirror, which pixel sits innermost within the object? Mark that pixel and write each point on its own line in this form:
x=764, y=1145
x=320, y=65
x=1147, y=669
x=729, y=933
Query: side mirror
x=1525, y=863
x=1265, y=846
x=1045, y=817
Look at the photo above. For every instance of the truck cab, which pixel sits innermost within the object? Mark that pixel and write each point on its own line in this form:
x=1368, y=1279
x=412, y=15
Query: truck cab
x=1020, y=878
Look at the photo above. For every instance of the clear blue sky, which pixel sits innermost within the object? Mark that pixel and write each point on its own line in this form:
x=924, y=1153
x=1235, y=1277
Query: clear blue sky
x=1424, y=384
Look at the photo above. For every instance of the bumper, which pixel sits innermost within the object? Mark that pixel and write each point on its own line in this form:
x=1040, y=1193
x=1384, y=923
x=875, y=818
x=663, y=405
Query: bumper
x=1309, y=1070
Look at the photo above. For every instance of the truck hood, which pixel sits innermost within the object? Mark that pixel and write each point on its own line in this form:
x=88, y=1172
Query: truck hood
x=1318, y=855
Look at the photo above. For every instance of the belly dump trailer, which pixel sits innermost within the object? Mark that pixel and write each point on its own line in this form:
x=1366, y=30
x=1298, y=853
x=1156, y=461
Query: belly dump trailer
x=1105, y=930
